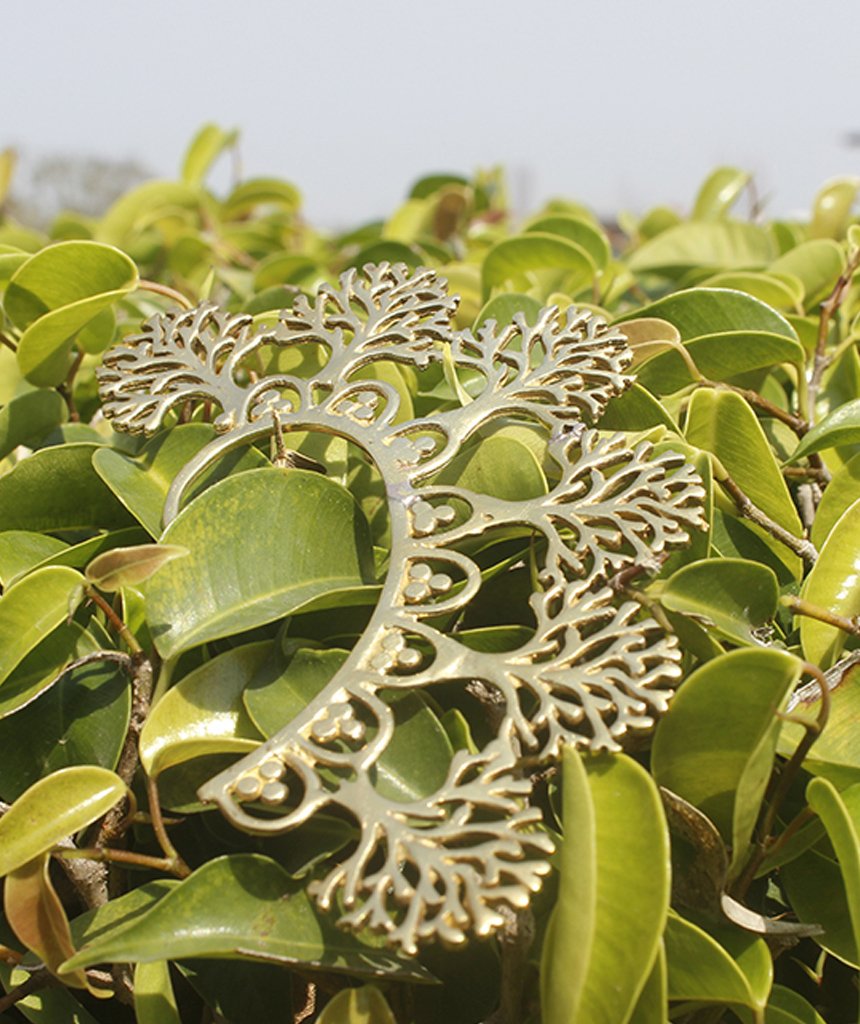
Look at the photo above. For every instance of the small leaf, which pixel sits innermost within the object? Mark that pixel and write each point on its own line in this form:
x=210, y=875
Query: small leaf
x=785, y=1006
x=203, y=713
x=842, y=491
x=206, y=146
x=242, y=906
x=364, y=1005
x=37, y=917
x=831, y=210
x=719, y=192
x=515, y=261
x=716, y=758
x=833, y=584
x=30, y=610
x=735, y=596
x=53, y=809
x=841, y=427
x=29, y=417
x=128, y=567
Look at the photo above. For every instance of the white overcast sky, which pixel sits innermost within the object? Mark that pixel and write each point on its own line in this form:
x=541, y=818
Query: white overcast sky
x=620, y=104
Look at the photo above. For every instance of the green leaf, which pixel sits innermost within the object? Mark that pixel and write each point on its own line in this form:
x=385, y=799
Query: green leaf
x=285, y=686
x=144, y=204
x=721, y=245
x=501, y=466
x=31, y=500
x=242, y=906
x=503, y=308
x=785, y=1006
x=80, y=720
x=154, y=1001
x=53, y=809
x=311, y=539
x=651, y=1005
x=514, y=262
x=204, y=713
x=815, y=888
x=719, y=192
x=836, y=752
x=31, y=609
x=365, y=1005
x=205, y=148
x=833, y=584
x=782, y=291
x=29, y=417
x=735, y=596
x=840, y=813
x=55, y=294
x=129, y=567
x=584, y=234
x=842, y=491
x=715, y=748
x=842, y=426
x=831, y=211
x=817, y=264
x=613, y=895
x=698, y=312
x=721, y=422
x=260, y=192
x=47, y=1005
x=21, y=551
x=701, y=969
x=141, y=483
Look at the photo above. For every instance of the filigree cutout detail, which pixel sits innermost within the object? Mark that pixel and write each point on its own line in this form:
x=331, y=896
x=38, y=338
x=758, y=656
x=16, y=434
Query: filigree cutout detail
x=595, y=668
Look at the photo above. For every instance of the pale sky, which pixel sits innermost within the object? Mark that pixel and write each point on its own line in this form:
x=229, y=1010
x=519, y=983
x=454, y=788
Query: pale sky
x=615, y=103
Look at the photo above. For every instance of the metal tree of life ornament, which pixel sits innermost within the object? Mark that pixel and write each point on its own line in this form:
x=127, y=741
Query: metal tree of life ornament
x=595, y=667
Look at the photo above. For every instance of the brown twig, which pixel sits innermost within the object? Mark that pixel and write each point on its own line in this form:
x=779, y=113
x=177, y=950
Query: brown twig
x=749, y=510
x=166, y=291
x=171, y=854
x=829, y=308
x=119, y=627
x=111, y=855
x=801, y=607
x=8, y=342
x=38, y=980
x=816, y=473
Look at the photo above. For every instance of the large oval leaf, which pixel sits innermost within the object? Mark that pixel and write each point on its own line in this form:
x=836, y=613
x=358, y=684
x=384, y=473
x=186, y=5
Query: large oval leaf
x=242, y=906
x=834, y=585
x=515, y=261
x=842, y=426
x=53, y=809
x=613, y=892
x=722, y=245
x=308, y=539
x=715, y=748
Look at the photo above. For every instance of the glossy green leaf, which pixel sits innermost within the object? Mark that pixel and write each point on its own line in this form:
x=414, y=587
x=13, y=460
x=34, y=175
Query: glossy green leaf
x=636, y=409
x=30, y=499
x=129, y=567
x=840, y=813
x=82, y=719
x=503, y=308
x=287, y=684
x=365, y=1005
x=242, y=906
x=498, y=465
x=842, y=491
x=842, y=426
x=831, y=211
x=575, y=229
x=43, y=666
x=698, y=312
x=31, y=609
x=143, y=205
x=834, y=585
x=736, y=597
x=29, y=417
x=719, y=192
x=651, y=1005
x=721, y=422
x=715, y=748
x=22, y=550
x=204, y=713
x=53, y=809
x=56, y=293
x=205, y=148
x=154, y=1000
x=613, y=892
x=782, y=291
x=141, y=483
x=316, y=542
x=836, y=752
x=702, y=970
x=815, y=889
x=817, y=264
x=785, y=1006
x=514, y=261
x=721, y=245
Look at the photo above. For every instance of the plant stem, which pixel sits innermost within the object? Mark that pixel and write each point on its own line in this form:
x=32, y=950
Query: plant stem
x=111, y=855
x=749, y=510
x=37, y=980
x=116, y=622
x=166, y=291
x=801, y=607
x=829, y=309
x=806, y=473
x=8, y=342
x=797, y=423
x=170, y=852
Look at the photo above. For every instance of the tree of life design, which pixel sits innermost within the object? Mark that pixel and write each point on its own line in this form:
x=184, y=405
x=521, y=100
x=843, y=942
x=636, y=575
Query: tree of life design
x=594, y=669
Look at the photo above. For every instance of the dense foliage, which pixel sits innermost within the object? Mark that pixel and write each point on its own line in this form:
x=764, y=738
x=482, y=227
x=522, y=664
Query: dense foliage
x=711, y=872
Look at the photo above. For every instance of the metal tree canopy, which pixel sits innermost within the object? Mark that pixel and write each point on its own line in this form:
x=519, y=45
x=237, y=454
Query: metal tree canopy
x=594, y=668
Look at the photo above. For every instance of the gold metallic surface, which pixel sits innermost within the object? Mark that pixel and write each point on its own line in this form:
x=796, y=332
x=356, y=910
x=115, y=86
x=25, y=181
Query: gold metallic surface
x=440, y=867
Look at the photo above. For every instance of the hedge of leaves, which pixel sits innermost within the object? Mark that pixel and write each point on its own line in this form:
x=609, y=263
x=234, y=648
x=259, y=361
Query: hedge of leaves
x=711, y=872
